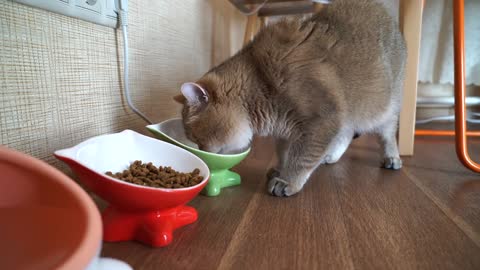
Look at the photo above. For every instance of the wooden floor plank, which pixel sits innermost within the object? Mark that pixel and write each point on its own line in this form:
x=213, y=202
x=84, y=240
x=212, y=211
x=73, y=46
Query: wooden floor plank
x=456, y=190
x=301, y=232
x=202, y=244
x=351, y=215
x=392, y=224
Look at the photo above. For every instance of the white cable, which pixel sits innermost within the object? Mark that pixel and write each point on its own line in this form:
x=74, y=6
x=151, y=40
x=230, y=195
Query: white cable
x=438, y=118
x=447, y=118
x=122, y=15
x=323, y=1
x=473, y=121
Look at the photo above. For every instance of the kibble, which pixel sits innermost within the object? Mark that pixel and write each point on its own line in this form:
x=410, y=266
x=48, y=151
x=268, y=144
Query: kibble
x=146, y=174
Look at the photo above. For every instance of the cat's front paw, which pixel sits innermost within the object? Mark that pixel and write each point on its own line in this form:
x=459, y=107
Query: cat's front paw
x=394, y=163
x=281, y=188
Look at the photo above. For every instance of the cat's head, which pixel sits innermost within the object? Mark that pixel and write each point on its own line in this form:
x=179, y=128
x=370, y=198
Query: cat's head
x=215, y=124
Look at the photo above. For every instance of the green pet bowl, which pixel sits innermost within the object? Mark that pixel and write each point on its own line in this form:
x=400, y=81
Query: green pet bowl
x=219, y=164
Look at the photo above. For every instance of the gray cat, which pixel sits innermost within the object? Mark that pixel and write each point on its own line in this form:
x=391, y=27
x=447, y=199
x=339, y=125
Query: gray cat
x=311, y=83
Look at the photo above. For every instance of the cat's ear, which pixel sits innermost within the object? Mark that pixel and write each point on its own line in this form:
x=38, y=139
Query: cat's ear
x=195, y=94
x=180, y=99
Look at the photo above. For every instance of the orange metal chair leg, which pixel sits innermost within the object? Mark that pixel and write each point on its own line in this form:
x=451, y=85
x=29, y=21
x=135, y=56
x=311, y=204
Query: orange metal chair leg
x=460, y=132
x=460, y=108
x=421, y=132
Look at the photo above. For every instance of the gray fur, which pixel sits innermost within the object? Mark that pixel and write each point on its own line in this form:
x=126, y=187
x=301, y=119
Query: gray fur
x=312, y=83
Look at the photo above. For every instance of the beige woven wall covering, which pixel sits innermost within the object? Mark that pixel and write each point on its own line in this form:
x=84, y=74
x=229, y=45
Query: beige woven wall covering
x=60, y=77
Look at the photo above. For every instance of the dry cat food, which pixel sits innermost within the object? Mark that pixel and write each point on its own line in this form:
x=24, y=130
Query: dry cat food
x=146, y=174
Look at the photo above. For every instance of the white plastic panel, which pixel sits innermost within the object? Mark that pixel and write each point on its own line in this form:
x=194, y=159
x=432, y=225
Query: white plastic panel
x=96, y=11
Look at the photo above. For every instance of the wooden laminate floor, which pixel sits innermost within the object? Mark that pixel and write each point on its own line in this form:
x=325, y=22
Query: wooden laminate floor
x=350, y=215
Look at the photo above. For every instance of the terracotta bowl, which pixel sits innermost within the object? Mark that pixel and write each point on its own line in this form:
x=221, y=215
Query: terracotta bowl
x=47, y=221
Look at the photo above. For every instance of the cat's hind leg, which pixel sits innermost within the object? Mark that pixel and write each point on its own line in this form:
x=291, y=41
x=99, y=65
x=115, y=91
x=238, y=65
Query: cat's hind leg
x=387, y=135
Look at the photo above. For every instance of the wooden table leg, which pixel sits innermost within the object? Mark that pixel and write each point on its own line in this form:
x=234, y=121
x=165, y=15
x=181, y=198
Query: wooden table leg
x=411, y=23
x=250, y=28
